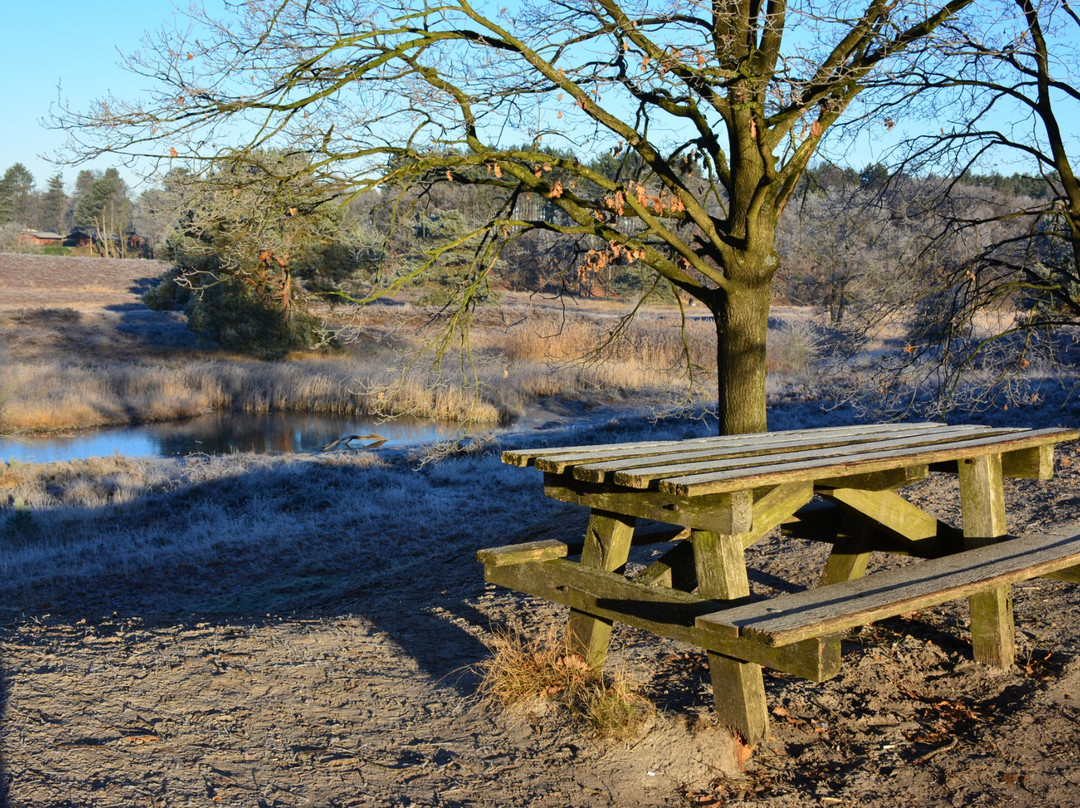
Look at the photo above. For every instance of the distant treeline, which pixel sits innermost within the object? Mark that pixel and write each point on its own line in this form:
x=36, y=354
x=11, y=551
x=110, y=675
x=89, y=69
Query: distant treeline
x=852, y=241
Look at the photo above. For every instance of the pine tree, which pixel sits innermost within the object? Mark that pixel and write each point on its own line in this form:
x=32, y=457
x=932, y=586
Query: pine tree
x=54, y=205
x=16, y=188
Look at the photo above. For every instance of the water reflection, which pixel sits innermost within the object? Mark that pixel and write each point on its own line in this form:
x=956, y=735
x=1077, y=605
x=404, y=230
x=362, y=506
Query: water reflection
x=222, y=434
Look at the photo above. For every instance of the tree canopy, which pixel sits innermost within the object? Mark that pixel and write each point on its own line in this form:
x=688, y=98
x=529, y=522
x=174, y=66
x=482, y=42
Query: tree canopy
x=707, y=114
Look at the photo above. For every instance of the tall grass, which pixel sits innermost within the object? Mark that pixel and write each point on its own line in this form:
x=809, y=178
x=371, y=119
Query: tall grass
x=53, y=395
x=514, y=355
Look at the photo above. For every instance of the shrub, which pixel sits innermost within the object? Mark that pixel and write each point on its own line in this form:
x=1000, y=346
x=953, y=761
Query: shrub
x=238, y=319
x=229, y=312
x=167, y=294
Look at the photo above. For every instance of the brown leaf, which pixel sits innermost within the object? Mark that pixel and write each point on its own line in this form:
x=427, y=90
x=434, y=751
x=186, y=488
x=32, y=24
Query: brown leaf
x=742, y=752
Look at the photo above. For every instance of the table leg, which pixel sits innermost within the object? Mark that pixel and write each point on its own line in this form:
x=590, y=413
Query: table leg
x=607, y=545
x=738, y=687
x=982, y=504
x=850, y=554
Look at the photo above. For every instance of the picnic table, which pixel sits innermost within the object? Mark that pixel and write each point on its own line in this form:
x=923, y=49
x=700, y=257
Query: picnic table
x=716, y=496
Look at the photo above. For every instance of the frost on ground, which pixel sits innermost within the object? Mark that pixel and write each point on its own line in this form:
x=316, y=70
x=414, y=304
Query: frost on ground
x=304, y=630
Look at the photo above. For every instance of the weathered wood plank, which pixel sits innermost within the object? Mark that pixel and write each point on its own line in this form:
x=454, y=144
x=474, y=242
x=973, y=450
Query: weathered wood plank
x=821, y=521
x=827, y=610
x=545, y=549
x=527, y=457
x=1070, y=574
x=644, y=466
x=738, y=686
x=674, y=569
x=720, y=563
x=1029, y=464
x=665, y=612
x=887, y=480
x=573, y=454
x=731, y=512
x=771, y=507
x=752, y=463
x=775, y=506
x=717, y=482
x=848, y=560
x=607, y=546
x=889, y=510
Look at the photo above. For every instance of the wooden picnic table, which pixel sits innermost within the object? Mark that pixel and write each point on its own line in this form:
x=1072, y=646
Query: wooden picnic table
x=722, y=494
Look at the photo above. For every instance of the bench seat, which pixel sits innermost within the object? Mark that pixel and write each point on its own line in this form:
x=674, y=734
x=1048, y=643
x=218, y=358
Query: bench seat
x=830, y=609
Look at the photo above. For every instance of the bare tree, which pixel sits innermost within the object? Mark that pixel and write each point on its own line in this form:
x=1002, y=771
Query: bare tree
x=1012, y=85
x=1006, y=267
x=711, y=111
x=852, y=252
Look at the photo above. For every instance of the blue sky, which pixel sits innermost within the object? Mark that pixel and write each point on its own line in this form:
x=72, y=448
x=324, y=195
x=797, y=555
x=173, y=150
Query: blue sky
x=74, y=52
x=71, y=50
x=73, y=46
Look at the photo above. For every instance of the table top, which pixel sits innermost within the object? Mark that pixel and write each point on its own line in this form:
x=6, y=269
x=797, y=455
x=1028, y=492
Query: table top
x=701, y=466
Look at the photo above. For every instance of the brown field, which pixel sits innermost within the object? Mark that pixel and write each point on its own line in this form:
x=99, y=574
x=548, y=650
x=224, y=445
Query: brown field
x=68, y=282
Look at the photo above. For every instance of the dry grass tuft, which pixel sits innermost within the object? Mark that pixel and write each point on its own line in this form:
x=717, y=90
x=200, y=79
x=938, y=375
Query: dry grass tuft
x=523, y=673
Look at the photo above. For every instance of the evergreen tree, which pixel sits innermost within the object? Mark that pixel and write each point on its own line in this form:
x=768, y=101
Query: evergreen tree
x=16, y=189
x=54, y=204
x=104, y=208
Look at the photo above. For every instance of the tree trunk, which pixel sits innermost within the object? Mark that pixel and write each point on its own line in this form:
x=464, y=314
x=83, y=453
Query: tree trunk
x=742, y=324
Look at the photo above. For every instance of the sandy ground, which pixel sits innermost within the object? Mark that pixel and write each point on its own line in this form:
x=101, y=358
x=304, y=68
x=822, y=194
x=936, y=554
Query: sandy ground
x=209, y=690
x=368, y=697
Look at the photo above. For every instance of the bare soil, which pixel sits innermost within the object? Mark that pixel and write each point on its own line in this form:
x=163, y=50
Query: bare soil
x=209, y=688
x=73, y=306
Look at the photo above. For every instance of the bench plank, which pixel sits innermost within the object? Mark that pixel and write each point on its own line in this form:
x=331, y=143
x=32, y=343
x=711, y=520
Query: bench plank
x=830, y=609
x=547, y=549
x=662, y=611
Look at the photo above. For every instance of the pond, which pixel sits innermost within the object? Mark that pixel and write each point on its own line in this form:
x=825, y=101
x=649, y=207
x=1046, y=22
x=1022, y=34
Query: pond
x=223, y=434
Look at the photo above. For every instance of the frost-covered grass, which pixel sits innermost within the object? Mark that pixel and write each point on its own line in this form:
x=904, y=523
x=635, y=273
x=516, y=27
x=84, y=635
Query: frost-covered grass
x=246, y=531
x=253, y=533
